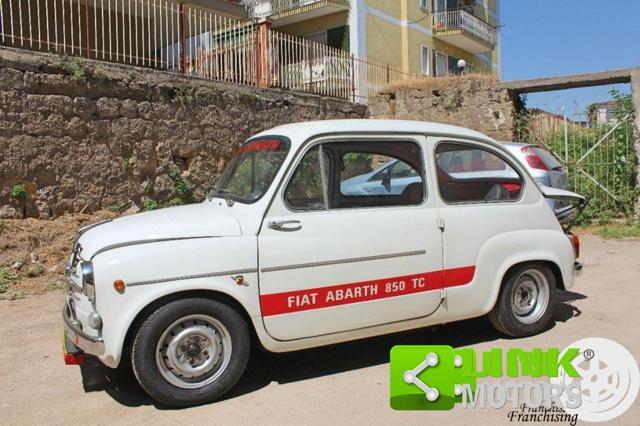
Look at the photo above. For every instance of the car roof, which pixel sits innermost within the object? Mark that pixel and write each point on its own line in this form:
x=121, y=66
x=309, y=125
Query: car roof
x=300, y=132
x=513, y=143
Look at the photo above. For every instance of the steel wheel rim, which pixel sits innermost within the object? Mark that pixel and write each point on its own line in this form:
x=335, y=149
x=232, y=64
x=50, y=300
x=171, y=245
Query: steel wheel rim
x=193, y=351
x=530, y=296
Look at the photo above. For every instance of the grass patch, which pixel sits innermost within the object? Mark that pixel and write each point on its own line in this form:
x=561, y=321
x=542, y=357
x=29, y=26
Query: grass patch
x=7, y=277
x=620, y=232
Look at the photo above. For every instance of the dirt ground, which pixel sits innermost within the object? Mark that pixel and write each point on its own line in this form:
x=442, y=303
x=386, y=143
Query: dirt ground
x=33, y=252
x=347, y=383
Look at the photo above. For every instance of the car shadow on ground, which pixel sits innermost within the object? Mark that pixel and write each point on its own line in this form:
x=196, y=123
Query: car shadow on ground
x=265, y=368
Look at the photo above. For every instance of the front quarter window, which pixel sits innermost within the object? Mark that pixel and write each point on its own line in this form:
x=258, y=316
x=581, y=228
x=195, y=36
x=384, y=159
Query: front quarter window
x=250, y=173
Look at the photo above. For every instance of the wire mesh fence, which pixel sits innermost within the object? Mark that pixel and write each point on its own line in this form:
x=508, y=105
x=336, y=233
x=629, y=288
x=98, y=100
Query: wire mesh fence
x=599, y=157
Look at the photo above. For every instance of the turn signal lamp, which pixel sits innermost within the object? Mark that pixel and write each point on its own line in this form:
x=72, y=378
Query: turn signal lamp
x=119, y=286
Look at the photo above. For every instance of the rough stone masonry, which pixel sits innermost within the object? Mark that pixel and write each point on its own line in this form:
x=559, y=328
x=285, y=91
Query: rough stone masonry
x=475, y=102
x=85, y=135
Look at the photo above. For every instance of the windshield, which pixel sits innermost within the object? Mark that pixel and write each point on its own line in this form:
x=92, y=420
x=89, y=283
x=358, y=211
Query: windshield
x=251, y=172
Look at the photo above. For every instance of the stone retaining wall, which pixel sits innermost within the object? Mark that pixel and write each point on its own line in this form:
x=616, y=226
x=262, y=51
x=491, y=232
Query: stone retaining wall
x=85, y=135
x=478, y=103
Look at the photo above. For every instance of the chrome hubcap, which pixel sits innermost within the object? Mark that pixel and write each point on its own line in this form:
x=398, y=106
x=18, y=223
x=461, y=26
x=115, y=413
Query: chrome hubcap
x=530, y=296
x=193, y=351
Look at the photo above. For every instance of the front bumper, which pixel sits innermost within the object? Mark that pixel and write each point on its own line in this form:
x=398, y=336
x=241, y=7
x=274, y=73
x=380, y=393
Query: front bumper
x=74, y=334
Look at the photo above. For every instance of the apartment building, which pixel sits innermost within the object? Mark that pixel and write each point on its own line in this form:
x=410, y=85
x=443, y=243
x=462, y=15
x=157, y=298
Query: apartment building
x=426, y=37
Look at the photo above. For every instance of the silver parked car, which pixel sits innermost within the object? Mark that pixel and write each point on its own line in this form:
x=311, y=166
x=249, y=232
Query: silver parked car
x=544, y=168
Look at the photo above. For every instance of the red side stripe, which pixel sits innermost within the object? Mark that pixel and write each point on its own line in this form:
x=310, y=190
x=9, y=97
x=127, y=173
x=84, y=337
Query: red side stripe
x=342, y=294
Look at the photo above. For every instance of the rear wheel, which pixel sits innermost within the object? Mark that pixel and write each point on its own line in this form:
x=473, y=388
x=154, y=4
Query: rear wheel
x=526, y=301
x=190, y=351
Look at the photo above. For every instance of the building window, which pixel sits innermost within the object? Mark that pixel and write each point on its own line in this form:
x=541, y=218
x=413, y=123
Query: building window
x=339, y=37
x=425, y=60
x=424, y=4
x=440, y=64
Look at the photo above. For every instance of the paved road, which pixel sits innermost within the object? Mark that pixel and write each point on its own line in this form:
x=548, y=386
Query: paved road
x=346, y=383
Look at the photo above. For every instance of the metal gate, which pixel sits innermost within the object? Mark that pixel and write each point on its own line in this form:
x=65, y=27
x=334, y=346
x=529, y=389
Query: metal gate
x=600, y=157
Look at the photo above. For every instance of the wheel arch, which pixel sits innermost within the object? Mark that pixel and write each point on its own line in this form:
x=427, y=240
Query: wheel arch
x=179, y=295
x=553, y=266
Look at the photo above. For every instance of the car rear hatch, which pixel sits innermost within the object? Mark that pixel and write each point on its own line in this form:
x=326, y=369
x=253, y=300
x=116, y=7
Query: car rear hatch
x=575, y=204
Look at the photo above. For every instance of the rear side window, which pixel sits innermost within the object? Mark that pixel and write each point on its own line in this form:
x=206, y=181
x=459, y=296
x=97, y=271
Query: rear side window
x=468, y=173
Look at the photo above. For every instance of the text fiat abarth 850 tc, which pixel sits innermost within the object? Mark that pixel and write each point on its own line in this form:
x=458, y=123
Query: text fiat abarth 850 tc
x=300, y=245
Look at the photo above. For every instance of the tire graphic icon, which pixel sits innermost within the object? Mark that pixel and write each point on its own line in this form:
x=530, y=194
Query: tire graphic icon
x=609, y=379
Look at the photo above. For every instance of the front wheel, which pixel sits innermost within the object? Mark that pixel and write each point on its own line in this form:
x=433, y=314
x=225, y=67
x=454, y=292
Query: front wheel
x=526, y=301
x=190, y=351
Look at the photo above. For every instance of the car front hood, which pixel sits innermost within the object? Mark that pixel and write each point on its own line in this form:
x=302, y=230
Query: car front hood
x=184, y=222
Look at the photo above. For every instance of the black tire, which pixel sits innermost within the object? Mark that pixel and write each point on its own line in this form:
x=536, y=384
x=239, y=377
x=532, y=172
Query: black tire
x=153, y=378
x=509, y=314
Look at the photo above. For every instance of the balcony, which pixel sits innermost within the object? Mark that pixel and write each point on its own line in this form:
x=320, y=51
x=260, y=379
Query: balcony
x=284, y=12
x=463, y=30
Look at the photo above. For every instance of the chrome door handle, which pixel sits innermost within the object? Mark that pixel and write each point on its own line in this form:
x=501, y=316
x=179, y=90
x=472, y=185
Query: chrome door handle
x=285, y=225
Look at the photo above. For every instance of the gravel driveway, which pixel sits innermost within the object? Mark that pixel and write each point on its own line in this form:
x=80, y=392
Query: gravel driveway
x=347, y=383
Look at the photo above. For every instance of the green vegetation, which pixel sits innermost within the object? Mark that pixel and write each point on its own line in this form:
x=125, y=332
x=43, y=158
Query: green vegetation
x=182, y=189
x=34, y=270
x=76, y=68
x=620, y=231
x=248, y=97
x=18, y=191
x=600, y=159
x=7, y=277
x=185, y=93
x=456, y=102
x=150, y=204
x=148, y=186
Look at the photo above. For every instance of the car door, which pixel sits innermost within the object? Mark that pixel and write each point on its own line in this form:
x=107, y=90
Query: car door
x=480, y=191
x=330, y=262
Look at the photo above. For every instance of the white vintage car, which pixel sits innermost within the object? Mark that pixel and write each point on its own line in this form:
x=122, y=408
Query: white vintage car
x=279, y=256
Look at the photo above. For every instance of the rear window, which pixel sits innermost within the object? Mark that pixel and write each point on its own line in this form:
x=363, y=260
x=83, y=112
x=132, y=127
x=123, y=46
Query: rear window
x=548, y=159
x=470, y=174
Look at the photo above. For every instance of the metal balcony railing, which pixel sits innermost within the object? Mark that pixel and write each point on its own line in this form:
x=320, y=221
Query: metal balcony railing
x=459, y=19
x=266, y=8
x=176, y=37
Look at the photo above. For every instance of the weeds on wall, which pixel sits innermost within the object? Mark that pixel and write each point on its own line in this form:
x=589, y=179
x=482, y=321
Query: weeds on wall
x=18, y=192
x=182, y=191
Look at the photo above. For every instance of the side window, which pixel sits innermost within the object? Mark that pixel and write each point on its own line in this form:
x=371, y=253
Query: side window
x=381, y=173
x=468, y=173
x=308, y=188
x=352, y=174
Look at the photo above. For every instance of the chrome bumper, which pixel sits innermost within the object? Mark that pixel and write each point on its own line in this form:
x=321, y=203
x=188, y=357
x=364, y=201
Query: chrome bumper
x=577, y=269
x=73, y=331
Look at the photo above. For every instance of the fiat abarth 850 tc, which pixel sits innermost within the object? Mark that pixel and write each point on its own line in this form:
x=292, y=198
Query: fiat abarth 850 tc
x=280, y=256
